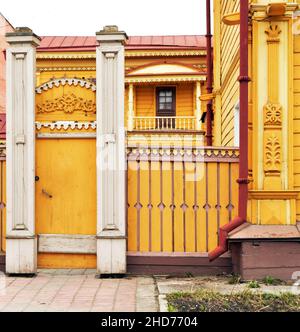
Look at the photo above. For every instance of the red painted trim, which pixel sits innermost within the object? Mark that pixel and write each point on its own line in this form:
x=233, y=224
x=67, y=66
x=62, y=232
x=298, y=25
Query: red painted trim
x=223, y=238
x=243, y=180
x=209, y=65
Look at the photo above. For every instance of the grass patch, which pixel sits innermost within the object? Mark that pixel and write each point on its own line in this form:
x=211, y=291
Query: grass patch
x=270, y=281
x=253, y=284
x=246, y=301
x=234, y=279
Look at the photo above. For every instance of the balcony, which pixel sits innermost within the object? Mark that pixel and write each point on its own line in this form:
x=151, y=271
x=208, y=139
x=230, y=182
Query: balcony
x=159, y=123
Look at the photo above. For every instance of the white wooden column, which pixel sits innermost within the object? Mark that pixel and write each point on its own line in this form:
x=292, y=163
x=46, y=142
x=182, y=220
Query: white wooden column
x=111, y=158
x=130, y=117
x=198, y=112
x=21, y=243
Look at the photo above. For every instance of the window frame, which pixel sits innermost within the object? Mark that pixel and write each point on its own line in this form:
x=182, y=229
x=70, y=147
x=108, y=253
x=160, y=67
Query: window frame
x=166, y=113
x=236, y=130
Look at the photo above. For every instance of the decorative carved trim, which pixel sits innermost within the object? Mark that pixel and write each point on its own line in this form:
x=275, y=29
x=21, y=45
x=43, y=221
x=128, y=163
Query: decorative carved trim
x=58, y=125
x=165, y=79
x=273, y=194
x=75, y=56
x=63, y=81
x=260, y=10
x=187, y=154
x=68, y=103
x=273, y=114
x=128, y=54
x=273, y=31
x=42, y=69
x=67, y=135
x=272, y=155
x=2, y=151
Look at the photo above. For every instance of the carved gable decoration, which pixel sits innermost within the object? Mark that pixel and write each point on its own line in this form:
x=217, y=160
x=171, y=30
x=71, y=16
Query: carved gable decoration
x=164, y=69
x=68, y=103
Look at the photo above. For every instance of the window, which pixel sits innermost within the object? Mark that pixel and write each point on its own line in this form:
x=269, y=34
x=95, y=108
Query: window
x=165, y=101
x=237, y=125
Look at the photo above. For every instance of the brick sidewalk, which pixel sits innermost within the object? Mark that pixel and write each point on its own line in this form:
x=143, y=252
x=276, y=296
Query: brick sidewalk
x=76, y=290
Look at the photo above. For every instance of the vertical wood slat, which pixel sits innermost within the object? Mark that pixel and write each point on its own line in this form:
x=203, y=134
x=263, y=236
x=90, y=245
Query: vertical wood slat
x=155, y=191
x=182, y=204
x=190, y=245
x=201, y=202
x=144, y=212
x=167, y=213
x=212, y=186
x=132, y=199
x=178, y=213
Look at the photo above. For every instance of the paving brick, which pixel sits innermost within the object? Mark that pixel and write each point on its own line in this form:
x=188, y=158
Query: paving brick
x=76, y=290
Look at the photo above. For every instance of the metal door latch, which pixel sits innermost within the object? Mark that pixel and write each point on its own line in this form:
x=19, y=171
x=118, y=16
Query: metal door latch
x=47, y=194
x=109, y=138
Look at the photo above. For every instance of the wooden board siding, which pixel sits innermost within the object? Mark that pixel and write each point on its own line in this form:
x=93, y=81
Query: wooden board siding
x=185, y=100
x=227, y=67
x=145, y=100
x=229, y=38
x=297, y=119
x=230, y=97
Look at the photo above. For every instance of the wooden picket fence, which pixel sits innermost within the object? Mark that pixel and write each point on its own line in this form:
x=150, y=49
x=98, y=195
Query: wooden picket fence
x=179, y=197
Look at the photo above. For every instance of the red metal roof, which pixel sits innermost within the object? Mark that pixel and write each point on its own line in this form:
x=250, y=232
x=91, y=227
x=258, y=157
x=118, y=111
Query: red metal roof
x=87, y=43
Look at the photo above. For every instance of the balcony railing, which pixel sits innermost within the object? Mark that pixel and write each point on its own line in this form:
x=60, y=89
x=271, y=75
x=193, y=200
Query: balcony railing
x=161, y=123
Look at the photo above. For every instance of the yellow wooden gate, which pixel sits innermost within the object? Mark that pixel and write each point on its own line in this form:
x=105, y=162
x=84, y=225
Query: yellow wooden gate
x=66, y=174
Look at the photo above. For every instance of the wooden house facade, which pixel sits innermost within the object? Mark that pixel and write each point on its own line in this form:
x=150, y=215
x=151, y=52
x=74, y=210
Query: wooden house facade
x=132, y=155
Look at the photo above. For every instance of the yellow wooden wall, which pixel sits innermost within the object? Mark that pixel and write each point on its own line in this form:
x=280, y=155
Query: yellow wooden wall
x=145, y=100
x=226, y=72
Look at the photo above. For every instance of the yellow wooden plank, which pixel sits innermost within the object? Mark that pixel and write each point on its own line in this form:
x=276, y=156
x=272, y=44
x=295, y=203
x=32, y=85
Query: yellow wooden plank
x=201, y=214
x=178, y=215
x=66, y=261
x=212, y=201
x=167, y=214
x=235, y=189
x=132, y=200
x=144, y=212
x=224, y=194
x=190, y=201
x=155, y=200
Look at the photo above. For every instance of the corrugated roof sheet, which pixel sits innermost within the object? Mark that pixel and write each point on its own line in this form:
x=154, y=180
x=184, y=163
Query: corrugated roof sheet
x=69, y=43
